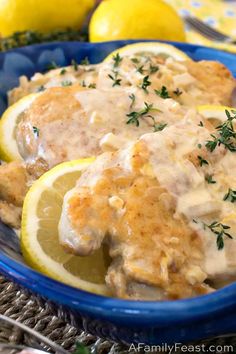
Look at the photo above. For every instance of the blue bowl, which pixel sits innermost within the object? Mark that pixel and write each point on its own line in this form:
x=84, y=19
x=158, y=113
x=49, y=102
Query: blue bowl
x=120, y=320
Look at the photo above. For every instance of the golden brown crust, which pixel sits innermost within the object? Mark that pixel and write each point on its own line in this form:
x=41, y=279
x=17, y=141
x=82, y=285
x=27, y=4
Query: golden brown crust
x=10, y=214
x=13, y=183
x=215, y=78
x=145, y=225
x=13, y=188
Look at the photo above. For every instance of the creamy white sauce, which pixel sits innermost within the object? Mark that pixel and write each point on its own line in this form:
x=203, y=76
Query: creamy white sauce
x=196, y=199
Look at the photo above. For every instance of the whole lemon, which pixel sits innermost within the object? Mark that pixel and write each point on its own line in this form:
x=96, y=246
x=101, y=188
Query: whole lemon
x=135, y=19
x=42, y=15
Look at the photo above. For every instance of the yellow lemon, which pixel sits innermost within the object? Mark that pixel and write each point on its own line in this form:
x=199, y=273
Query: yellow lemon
x=39, y=235
x=42, y=15
x=135, y=19
x=215, y=114
x=149, y=48
x=8, y=123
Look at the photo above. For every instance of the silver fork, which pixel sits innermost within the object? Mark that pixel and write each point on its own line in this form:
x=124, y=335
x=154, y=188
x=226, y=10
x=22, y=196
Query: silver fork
x=207, y=30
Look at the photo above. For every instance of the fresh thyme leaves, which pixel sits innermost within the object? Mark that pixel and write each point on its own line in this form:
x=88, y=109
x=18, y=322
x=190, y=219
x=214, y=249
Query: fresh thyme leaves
x=200, y=124
x=219, y=230
x=20, y=39
x=202, y=161
x=63, y=71
x=66, y=83
x=140, y=69
x=159, y=126
x=133, y=98
x=230, y=195
x=85, y=61
x=114, y=78
x=199, y=146
x=177, y=92
x=145, y=83
x=41, y=88
x=209, y=179
x=36, y=131
x=92, y=85
x=212, y=144
x=74, y=64
x=52, y=65
x=153, y=69
x=135, y=116
x=117, y=60
x=227, y=134
x=163, y=93
x=135, y=60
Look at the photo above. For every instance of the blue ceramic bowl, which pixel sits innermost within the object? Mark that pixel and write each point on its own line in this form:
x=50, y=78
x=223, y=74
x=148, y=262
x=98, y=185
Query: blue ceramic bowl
x=121, y=320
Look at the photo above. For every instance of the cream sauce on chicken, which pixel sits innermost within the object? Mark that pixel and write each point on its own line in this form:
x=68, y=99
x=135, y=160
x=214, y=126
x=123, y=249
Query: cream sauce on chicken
x=74, y=122
x=174, y=159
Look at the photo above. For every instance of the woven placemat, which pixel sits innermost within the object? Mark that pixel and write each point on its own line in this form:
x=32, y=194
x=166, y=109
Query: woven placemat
x=40, y=315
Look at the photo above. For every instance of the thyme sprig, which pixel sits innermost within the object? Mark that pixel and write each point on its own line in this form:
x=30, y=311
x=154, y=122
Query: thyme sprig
x=75, y=64
x=219, y=230
x=227, y=134
x=63, y=71
x=117, y=60
x=163, y=92
x=140, y=69
x=24, y=38
x=202, y=161
x=135, y=60
x=92, y=85
x=178, y=92
x=159, y=126
x=114, y=78
x=145, y=83
x=153, y=68
x=136, y=115
x=209, y=179
x=52, y=65
x=85, y=61
x=36, y=131
x=133, y=98
x=230, y=195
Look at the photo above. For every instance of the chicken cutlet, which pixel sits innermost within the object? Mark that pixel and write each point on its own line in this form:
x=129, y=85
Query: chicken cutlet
x=163, y=207
x=189, y=82
x=84, y=110
x=75, y=122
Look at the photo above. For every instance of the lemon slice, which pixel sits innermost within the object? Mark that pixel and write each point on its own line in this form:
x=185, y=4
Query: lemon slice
x=39, y=235
x=215, y=114
x=10, y=119
x=149, y=48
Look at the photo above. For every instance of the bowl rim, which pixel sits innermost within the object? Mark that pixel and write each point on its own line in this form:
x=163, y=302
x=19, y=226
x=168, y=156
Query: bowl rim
x=160, y=312
x=103, y=306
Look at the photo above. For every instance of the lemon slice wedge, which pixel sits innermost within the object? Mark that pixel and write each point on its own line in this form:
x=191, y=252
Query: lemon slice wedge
x=8, y=123
x=39, y=236
x=149, y=48
x=215, y=114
